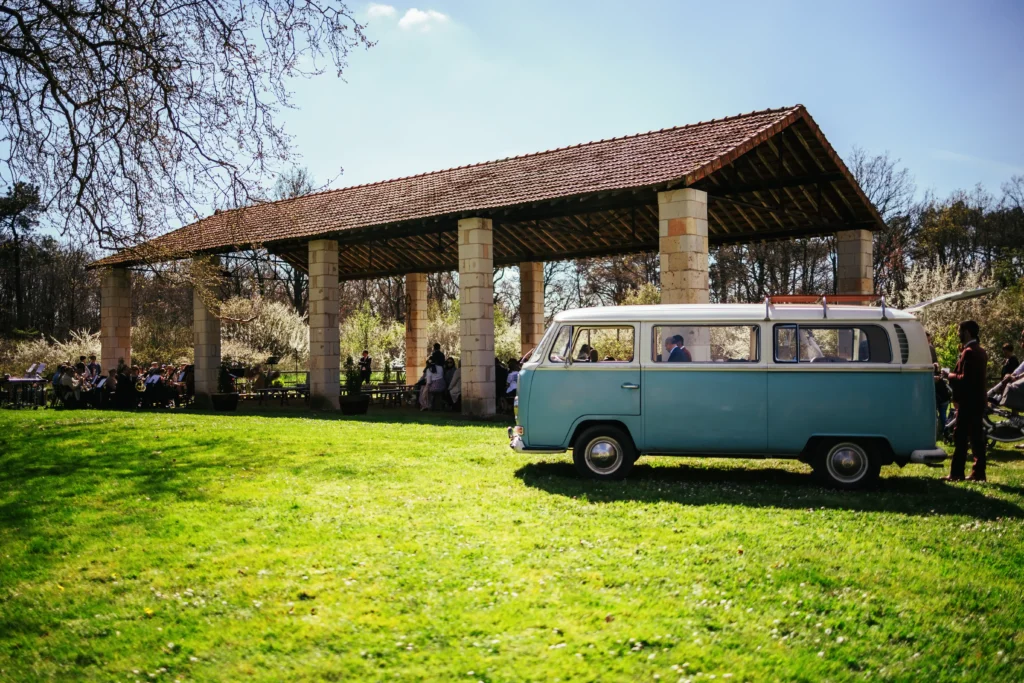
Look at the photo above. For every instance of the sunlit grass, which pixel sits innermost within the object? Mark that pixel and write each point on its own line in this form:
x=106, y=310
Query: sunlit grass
x=166, y=546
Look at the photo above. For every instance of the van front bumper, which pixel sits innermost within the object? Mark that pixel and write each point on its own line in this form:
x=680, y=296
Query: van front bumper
x=928, y=456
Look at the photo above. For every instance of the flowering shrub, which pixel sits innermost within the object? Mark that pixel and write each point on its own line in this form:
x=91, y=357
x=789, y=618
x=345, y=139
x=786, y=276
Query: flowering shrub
x=276, y=330
x=443, y=327
x=1000, y=316
x=50, y=351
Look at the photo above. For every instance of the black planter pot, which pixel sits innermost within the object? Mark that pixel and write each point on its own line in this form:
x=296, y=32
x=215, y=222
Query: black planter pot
x=226, y=402
x=355, y=405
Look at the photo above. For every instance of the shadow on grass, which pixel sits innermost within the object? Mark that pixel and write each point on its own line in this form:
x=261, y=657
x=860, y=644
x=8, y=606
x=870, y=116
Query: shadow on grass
x=376, y=415
x=768, y=487
x=51, y=474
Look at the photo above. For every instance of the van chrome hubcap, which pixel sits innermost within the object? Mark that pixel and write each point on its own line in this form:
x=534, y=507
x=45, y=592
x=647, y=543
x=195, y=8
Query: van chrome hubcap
x=603, y=455
x=847, y=463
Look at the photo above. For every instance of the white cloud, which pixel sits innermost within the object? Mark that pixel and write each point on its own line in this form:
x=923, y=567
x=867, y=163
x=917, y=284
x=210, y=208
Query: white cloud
x=422, y=20
x=376, y=10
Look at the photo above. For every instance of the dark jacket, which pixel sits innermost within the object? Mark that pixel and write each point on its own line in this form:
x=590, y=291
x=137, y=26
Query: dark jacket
x=680, y=355
x=1009, y=366
x=968, y=378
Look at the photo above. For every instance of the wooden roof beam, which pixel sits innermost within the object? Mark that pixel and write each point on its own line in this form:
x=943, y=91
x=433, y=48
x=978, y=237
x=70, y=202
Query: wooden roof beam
x=807, y=231
x=777, y=183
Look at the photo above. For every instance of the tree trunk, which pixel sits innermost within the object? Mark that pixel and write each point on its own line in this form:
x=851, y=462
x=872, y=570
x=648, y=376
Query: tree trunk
x=19, y=292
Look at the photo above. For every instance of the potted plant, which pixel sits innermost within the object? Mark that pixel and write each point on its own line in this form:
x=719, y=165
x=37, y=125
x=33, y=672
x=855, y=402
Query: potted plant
x=226, y=397
x=354, y=402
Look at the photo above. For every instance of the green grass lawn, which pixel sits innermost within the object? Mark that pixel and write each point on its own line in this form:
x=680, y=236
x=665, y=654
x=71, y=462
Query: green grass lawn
x=279, y=546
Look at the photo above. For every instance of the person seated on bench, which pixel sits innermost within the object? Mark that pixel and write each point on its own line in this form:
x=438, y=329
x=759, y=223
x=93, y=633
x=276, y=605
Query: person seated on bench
x=154, y=394
x=455, y=387
x=71, y=383
x=449, y=370
x=1009, y=392
x=109, y=389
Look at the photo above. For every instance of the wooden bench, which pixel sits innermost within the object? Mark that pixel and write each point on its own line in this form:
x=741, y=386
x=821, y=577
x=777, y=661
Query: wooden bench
x=283, y=393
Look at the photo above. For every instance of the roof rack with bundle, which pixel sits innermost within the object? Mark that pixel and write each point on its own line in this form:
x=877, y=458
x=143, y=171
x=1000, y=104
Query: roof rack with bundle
x=824, y=299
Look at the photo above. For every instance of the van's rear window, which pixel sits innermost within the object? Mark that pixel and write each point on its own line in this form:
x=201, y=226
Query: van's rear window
x=832, y=344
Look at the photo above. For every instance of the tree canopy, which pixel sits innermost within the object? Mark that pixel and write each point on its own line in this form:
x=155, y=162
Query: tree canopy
x=134, y=116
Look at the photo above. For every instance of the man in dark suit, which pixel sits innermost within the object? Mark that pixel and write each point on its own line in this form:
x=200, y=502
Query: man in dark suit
x=365, y=367
x=437, y=356
x=678, y=354
x=968, y=383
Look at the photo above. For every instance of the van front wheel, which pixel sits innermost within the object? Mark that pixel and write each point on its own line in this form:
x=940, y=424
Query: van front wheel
x=603, y=452
x=847, y=465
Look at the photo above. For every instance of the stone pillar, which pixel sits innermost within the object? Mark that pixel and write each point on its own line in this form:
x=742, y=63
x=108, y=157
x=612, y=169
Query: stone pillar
x=415, y=325
x=683, y=243
x=324, y=340
x=206, y=343
x=531, y=304
x=476, y=303
x=115, y=318
x=854, y=266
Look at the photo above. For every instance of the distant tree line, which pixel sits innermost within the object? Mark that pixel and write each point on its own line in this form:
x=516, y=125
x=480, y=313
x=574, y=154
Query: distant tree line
x=45, y=289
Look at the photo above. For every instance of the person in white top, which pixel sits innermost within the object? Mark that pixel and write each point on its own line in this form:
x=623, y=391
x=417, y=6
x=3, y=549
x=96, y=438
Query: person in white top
x=512, y=383
x=433, y=384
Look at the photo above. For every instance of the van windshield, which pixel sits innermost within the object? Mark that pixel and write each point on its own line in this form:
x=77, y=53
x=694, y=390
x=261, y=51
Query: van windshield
x=534, y=353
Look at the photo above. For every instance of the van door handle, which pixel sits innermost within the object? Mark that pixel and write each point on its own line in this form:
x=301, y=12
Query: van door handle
x=630, y=385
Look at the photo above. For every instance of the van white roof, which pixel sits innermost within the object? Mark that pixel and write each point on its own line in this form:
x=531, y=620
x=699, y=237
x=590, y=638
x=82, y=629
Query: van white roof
x=743, y=313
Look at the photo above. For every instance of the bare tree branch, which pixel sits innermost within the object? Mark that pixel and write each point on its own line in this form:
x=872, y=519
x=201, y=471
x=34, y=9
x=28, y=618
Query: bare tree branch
x=136, y=116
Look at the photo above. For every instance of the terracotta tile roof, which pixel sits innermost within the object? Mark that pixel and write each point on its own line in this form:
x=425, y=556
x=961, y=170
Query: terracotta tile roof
x=686, y=153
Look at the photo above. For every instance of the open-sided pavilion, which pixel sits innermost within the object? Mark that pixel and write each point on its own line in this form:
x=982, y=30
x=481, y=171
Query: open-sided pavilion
x=767, y=175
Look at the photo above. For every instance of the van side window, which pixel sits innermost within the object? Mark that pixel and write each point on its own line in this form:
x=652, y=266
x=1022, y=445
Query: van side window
x=560, y=349
x=832, y=344
x=705, y=343
x=603, y=345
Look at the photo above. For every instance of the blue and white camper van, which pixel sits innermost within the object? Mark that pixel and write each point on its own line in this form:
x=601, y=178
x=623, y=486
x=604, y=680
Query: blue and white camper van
x=845, y=388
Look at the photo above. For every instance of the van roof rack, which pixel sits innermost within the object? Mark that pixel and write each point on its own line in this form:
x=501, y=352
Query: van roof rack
x=771, y=301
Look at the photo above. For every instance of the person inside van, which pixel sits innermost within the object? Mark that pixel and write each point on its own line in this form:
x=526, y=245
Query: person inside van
x=677, y=353
x=584, y=354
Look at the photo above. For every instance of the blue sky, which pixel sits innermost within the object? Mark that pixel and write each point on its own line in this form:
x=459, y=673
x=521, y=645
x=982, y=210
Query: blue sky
x=939, y=85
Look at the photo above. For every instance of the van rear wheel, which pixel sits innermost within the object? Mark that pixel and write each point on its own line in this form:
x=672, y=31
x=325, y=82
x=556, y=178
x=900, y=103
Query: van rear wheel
x=603, y=452
x=847, y=465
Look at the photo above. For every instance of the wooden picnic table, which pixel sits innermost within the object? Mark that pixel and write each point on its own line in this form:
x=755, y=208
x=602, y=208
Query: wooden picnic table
x=387, y=394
